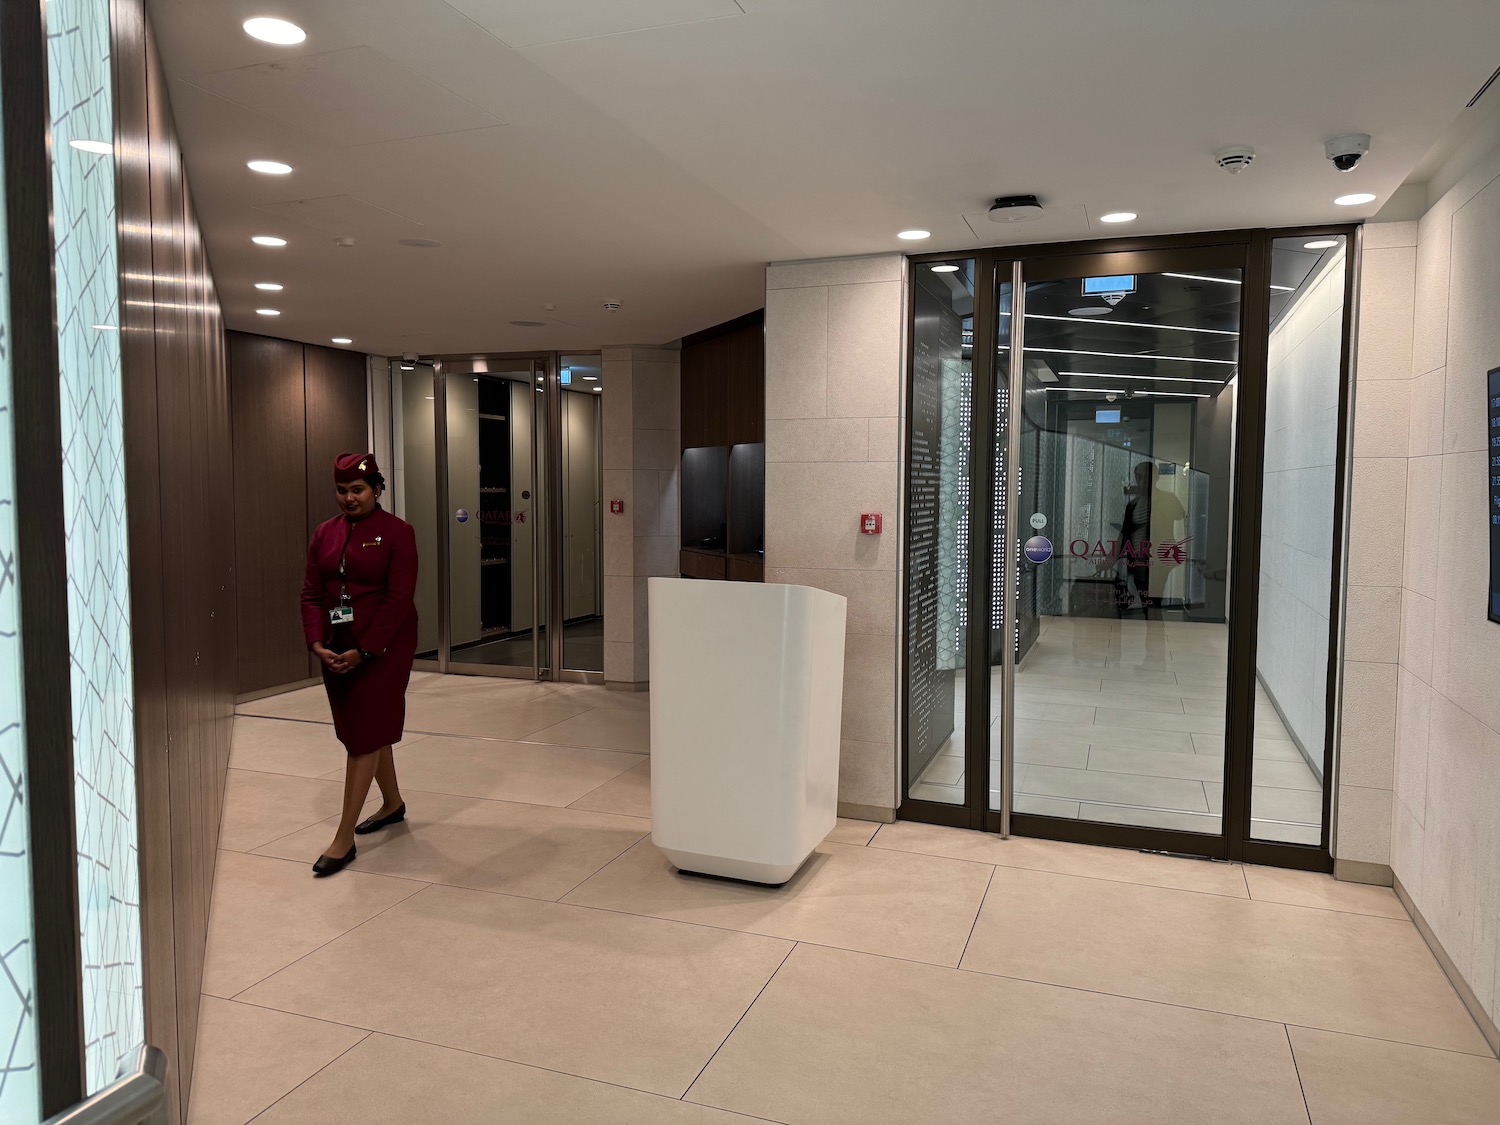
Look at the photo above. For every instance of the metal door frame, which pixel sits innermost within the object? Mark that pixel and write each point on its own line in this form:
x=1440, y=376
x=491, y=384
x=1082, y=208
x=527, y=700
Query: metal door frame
x=1023, y=264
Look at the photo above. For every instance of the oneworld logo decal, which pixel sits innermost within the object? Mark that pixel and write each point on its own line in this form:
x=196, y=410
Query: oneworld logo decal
x=1143, y=553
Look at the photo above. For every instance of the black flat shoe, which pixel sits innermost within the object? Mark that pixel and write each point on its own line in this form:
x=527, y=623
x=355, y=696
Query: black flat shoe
x=326, y=865
x=376, y=823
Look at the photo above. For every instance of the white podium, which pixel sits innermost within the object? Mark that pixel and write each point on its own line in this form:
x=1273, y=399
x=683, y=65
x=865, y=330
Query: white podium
x=747, y=688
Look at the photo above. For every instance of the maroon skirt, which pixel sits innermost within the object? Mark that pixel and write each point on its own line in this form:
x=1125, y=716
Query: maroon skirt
x=369, y=703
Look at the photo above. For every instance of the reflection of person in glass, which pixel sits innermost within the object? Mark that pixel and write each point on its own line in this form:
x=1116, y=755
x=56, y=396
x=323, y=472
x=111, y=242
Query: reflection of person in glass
x=1149, y=526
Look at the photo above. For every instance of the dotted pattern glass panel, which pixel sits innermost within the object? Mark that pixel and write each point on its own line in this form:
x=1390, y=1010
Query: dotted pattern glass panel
x=83, y=195
x=19, y=1094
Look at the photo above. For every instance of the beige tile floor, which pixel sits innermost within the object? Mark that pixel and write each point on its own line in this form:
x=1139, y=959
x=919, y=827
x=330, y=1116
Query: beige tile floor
x=519, y=952
x=1123, y=721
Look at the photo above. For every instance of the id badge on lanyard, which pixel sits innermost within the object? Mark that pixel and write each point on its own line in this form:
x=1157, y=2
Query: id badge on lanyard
x=343, y=613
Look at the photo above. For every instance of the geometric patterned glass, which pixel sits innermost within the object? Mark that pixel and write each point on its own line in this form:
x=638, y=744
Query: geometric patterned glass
x=88, y=314
x=19, y=1094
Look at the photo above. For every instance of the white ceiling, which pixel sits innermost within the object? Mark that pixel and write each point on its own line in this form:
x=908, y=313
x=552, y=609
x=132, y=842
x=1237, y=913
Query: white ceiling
x=660, y=152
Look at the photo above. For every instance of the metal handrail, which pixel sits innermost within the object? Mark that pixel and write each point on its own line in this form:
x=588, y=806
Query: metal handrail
x=137, y=1097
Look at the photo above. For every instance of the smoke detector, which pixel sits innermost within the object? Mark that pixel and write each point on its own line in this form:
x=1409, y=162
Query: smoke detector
x=1015, y=209
x=1234, y=159
x=611, y=304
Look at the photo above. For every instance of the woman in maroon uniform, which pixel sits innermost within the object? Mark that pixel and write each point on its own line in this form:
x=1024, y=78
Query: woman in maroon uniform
x=361, y=622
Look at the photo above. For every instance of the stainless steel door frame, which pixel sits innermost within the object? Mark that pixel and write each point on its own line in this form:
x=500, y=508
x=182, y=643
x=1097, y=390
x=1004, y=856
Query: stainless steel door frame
x=440, y=477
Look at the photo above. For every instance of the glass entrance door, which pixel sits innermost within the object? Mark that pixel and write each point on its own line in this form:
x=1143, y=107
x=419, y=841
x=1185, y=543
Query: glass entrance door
x=498, y=466
x=1122, y=442
x=1125, y=473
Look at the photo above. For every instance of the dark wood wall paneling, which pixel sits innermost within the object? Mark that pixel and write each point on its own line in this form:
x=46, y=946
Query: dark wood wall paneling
x=294, y=408
x=180, y=490
x=724, y=384
x=724, y=404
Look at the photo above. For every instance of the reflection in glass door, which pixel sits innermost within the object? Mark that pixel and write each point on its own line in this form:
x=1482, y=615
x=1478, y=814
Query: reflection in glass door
x=1157, y=440
x=1125, y=431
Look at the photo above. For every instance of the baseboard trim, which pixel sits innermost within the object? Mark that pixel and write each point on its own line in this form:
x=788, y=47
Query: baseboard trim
x=1487, y=1026
x=1358, y=871
x=266, y=693
x=627, y=685
x=850, y=811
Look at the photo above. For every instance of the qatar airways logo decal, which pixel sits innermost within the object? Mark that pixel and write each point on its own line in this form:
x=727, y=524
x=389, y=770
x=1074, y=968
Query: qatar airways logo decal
x=1173, y=553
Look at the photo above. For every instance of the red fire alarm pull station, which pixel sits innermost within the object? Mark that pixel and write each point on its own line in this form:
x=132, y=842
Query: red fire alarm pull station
x=869, y=523
x=617, y=507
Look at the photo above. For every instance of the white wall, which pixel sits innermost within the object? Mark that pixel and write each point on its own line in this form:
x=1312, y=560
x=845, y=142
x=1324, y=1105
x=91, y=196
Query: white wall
x=834, y=362
x=1296, y=549
x=1444, y=835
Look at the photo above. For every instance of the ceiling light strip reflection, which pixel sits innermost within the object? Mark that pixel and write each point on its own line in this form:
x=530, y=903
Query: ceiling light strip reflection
x=1223, y=280
x=1147, y=378
x=1117, y=392
x=1133, y=355
x=1131, y=324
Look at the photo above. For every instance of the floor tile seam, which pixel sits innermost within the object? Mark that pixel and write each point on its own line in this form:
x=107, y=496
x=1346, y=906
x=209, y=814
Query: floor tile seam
x=323, y=945
x=741, y=1019
x=328, y=722
x=1215, y=1011
x=1487, y=1057
x=1403, y=919
x=311, y=1076
x=367, y=874
x=974, y=925
x=464, y=797
x=472, y=1053
x=605, y=866
x=1297, y=1070
x=759, y=934
x=1050, y=871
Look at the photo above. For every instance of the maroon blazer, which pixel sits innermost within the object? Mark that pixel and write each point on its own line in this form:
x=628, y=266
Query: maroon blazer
x=381, y=572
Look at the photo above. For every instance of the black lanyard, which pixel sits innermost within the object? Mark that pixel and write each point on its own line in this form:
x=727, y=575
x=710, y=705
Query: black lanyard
x=343, y=566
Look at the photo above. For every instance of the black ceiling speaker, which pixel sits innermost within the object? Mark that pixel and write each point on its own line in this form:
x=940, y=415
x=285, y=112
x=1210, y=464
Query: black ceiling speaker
x=1015, y=209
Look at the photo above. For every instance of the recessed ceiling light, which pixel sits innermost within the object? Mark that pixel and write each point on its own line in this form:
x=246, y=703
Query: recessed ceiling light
x=268, y=312
x=914, y=235
x=268, y=286
x=1355, y=200
x=591, y=378
x=1321, y=244
x=1088, y=310
x=598, y=390
x=268, y=240
x=105, y=328
x=269, y=30
x=1118, y=217
x=269, y=167
x=945, y=269
x=101, y=148
x=342, y=340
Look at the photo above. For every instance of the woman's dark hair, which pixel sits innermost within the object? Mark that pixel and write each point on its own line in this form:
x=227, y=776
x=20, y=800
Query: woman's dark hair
x=375, y=480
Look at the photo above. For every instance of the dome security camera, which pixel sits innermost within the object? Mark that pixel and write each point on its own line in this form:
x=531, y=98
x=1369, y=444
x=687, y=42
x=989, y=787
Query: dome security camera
x=1347, y=151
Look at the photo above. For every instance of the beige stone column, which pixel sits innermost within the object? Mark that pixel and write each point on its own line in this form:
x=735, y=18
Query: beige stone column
x=641, y=462
x=834, y=402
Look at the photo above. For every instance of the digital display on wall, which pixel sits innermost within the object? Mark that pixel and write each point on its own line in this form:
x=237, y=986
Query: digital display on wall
x=1493, y=464
x=1102, y=417
x=1115, y=283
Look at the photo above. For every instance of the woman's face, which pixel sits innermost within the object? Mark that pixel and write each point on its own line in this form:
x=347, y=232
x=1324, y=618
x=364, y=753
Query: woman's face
x=357, y=498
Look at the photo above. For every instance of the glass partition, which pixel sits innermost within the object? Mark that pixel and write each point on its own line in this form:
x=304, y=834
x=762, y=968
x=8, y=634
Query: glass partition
x=1299, y=536
x=942, y=391
x=413, y=483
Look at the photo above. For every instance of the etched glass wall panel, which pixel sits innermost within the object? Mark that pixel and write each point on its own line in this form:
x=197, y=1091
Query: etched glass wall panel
x=87, y=280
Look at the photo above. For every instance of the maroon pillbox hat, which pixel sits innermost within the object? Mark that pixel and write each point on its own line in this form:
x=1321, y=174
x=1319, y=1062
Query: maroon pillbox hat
x=350, y=467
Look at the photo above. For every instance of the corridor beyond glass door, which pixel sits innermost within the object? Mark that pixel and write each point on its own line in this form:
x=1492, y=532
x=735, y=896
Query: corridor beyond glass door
x=1126, y=406
x=496, y=453
x=581, y=491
